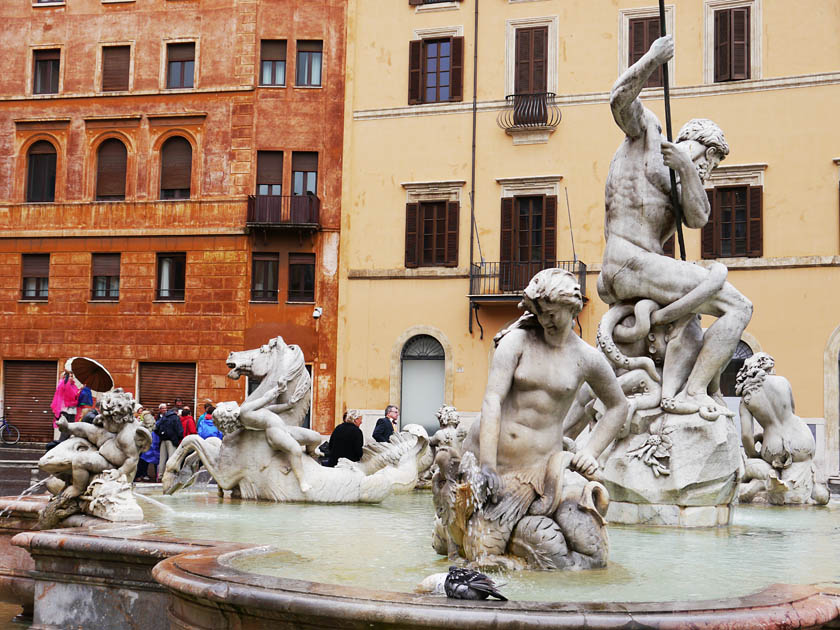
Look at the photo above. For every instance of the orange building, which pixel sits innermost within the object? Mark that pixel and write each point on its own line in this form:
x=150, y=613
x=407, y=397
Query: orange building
x=170, y=188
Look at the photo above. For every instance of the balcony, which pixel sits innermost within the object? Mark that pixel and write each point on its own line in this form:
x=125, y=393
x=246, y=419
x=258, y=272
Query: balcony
x=274, y=211
x=504, y=281
x=530, y=118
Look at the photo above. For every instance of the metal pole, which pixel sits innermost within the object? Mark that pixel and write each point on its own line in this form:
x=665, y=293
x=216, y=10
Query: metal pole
x=675, y=198
x=472, y=157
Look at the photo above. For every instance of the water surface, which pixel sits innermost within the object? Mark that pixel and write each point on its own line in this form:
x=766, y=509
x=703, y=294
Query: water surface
x=388, y=547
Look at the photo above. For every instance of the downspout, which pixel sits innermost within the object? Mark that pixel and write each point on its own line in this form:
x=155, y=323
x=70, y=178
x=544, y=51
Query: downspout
x=472, y=176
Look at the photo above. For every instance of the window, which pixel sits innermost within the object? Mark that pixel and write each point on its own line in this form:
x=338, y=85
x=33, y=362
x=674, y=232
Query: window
x=110, y=170
x=264, y=276
x=172, y=269
x=105, y=269
x=732, y=44
x=436, y=70
x=643, y=32
x=301, y=278
x=270, y=172
x=40, y=174
x=273, y=62
x=180, y=65
x=304, y=173
x=530, y=100
x=116, y=61
x=308, y=66
x=47, y=65
x=431, y=234
x=735, y=223
x=175, y=168
x=730, y=372
x=35, y=276
x=528, y=238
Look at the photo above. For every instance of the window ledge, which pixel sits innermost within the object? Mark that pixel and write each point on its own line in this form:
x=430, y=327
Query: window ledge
x=530, y=135
x=438, y=6
x=302, y=303
x=114, y=301
x=262, y=302
x=35, y=300
x=159, y=301
x=272, y=86
x=169, y=89
x=309, y=87
x=38, y=5
x=117, y=1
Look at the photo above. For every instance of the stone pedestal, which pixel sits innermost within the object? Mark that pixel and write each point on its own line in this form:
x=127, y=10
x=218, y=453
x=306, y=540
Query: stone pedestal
x=674, y=470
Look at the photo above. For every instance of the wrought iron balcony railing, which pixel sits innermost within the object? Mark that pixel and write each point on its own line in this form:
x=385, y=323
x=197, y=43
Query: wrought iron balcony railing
x=278, y=211
x=524, y=111
x=502, y=281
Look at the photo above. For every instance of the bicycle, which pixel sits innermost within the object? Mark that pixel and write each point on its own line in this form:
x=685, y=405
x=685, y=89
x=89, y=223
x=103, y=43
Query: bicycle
x=9, y=433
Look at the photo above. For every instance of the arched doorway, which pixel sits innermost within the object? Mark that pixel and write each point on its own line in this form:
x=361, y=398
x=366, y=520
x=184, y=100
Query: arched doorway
x=423, y=381
x=727, y=377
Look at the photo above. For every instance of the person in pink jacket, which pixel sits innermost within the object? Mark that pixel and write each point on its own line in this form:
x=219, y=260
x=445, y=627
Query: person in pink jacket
x=65, y=399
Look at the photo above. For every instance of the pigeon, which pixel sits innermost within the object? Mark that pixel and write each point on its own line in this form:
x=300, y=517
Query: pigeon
x=469, y=584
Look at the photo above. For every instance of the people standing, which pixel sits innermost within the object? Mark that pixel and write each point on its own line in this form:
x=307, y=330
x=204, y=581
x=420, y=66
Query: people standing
x=188, y=422
x=65, y=400
x=206, y=426
x=386, y=426
x=152, y=454
x=347, y=439
x=169, y=430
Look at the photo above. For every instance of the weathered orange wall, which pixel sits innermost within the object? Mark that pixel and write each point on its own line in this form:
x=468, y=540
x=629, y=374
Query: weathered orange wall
x=227, y=118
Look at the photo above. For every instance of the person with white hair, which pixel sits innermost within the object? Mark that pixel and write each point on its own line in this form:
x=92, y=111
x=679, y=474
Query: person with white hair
x=347, y=440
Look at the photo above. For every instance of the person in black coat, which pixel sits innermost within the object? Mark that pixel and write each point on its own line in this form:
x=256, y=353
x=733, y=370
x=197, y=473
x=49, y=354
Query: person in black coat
x=385, y=426
x=170, y=431
x=347, y=439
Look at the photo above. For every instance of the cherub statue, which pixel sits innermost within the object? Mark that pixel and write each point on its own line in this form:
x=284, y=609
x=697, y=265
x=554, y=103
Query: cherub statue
x=450, y=433
x=780, y=462
x=115, y=443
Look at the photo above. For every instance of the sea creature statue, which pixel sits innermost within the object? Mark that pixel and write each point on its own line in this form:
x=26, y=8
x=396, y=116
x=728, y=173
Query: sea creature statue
x=93, y=469
x=264, y=442
x=515, y=497
x=779, y=467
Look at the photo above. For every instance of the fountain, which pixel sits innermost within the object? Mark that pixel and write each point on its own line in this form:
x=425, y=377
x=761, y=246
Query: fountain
x=274, y=554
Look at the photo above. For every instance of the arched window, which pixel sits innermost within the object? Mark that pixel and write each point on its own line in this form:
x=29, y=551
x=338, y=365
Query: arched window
x=727, y=377
x=423, y=381
x=175, y=168
x=110, y=170
x=40, y=175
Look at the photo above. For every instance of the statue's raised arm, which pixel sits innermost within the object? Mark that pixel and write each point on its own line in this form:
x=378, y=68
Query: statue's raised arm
x=627, y=109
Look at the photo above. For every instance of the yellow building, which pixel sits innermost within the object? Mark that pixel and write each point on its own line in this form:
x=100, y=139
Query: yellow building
x=419, y=281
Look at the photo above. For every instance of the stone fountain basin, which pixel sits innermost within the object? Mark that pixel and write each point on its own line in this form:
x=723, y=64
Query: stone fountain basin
x=127, y=575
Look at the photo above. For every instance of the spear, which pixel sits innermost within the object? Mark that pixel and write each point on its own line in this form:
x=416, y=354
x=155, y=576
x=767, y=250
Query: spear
x=675, y=198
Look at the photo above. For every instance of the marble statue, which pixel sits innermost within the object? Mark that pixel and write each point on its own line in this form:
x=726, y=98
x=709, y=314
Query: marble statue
x=266, y=454
x=450, y=434
x=678, y=447
x=93, y=469
x=779, y=467
x=512, y=499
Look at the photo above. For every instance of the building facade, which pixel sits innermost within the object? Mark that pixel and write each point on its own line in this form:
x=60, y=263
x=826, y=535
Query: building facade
x=477, y=147
x=170, y=191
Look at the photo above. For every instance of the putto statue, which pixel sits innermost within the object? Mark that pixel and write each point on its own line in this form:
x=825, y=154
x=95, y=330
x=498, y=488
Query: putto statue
x=506, y=501
x=450, y=433
x=92, y=470
x=780, y=461
x=678, y=450
x=267, y=454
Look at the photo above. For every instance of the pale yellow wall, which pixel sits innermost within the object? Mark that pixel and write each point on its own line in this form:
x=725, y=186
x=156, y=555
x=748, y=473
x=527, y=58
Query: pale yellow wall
x=792, y=130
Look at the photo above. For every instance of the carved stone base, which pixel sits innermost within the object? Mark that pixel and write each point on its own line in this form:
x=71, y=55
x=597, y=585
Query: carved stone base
x=670, y=463
x=657, y=514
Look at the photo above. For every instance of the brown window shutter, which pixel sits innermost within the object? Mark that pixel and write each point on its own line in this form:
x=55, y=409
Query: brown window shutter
x=105, y=265
x=456, y=88
x=270, y=167
x=550, y=229
x=412, y=236
x=273, y=50
x=175, y=164
x=522, y=75
x=755, y=240
x=668, y=247
x=110, y=169
x=164, y=382
x=181, y=52
x=539, y=60
x=309, y=45
x=722, y=45
x=116, y=61
x=306, y=161
x=740, y=34
x=53, y=54
x=29, y=387
x=452, y=220
x=412, y=3
x=708, y=235
x=506, y=245
x=35, y=265
x=415, y=72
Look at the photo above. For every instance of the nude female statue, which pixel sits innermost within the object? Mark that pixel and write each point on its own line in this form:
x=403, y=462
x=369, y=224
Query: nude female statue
x=538, y=367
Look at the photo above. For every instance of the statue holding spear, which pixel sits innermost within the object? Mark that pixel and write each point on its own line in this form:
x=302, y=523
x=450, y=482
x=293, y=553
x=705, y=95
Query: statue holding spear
x=654, y=186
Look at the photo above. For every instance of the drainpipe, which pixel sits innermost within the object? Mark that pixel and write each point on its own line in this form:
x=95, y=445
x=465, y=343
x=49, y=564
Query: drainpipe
x=472, y=176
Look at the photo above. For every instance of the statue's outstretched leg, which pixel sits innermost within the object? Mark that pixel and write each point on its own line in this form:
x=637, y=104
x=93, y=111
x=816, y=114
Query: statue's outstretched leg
x=281, y=440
